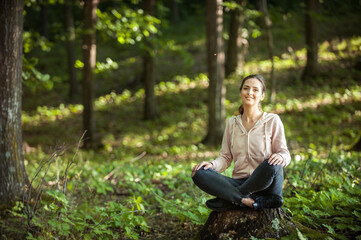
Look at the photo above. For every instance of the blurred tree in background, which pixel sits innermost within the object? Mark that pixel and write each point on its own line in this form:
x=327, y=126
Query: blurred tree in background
x=150, y=109
x=311, y=32
x=215, y=66
x=89, y=59
x=70, y=48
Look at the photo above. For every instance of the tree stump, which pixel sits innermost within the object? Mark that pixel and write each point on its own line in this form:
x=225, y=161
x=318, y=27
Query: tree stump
x=244, y=223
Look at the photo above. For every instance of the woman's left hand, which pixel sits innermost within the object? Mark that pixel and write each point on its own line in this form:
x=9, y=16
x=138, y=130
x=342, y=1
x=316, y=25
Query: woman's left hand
x=276, y=159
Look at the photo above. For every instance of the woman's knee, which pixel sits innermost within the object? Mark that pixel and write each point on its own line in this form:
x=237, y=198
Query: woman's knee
x=201, y=175
x=273, y=168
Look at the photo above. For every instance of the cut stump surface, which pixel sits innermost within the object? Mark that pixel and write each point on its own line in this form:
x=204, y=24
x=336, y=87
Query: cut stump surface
x=244, y=223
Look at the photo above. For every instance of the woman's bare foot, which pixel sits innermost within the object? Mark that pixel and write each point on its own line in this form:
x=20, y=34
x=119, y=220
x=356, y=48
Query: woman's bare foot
x=248, y=202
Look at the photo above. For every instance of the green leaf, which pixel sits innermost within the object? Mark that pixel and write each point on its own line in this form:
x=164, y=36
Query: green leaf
x=330, y=229
x=300, y=235
x=276, y=224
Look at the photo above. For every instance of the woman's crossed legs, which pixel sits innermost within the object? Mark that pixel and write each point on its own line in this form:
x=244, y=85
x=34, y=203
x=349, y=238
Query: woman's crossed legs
x=264, y=186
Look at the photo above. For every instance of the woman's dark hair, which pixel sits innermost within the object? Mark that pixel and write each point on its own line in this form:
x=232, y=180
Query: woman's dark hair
x=263, y=83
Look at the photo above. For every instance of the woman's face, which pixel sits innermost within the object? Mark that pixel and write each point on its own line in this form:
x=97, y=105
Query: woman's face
x=252, y=92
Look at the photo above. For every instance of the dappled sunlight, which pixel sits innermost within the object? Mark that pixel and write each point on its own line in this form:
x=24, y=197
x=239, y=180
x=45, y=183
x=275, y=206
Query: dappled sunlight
x=343, y=96
x=328, y=51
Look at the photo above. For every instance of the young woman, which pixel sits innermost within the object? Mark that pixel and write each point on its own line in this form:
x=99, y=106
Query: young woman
x=256, y=142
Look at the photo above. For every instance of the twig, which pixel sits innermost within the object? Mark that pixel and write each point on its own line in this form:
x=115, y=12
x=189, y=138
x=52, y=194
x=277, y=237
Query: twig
x=38, y=190
x=117, y=168
x=196, y=196
x=180, y=208
x=107, y=219
x=328, y=159
x=69, y=163
x=40, y=186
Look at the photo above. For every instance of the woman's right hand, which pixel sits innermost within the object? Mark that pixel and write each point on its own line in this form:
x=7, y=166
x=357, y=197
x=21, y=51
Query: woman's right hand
x=206, y=166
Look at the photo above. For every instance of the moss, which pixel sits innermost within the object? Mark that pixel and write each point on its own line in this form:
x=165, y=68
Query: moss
x=308, y=232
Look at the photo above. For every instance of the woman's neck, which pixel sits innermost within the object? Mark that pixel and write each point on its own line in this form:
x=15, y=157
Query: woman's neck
x=251, y=115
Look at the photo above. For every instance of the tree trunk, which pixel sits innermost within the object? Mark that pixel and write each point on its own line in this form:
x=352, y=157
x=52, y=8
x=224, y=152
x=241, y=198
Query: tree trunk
x=268, y=24
x=311, y=69
x=89, y=58
x=236, y=43
x=13, y=176
x=357, y=146
x=242, y=224
x=175, y=11
x=44, y=19
x=215, y=65
x=148, y=71
x=70, y=39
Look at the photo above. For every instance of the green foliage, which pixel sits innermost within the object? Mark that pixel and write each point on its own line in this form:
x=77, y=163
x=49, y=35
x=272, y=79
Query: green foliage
x=34, y=79
x=325, y=193
x=60, y=219
x=126, y=25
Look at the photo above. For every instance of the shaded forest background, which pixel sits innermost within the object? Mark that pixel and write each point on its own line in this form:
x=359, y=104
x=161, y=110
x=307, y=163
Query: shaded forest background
x=134, y=183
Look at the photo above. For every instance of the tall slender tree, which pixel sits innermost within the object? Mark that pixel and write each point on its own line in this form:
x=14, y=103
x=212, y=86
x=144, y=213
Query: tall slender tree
x=268, y=24
x=89, y=59
x=311, y=32
x=70, y=49
x=175, y=11
x=150, y=110
x=13, y=176
x=215, y=65
x=44, y=18
x=236, y=43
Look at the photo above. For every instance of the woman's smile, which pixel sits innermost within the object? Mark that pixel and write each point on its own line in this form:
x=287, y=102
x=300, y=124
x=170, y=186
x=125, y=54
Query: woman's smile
x=251, y=92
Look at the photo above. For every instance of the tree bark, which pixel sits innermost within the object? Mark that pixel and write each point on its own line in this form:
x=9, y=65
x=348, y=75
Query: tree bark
x=13, y=176
x=268, y=24
x=150, y=111
x=215, y=65
x=70, y=39
x=244, y=223
x=236, y=43
x=89, y=58
x=311, y=32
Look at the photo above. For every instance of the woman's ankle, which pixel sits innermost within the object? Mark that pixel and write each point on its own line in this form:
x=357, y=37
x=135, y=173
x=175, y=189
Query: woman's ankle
x=248, y=202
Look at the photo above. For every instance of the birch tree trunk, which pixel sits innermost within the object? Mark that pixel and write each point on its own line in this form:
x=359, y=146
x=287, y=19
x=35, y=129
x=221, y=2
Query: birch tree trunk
x=13, y=176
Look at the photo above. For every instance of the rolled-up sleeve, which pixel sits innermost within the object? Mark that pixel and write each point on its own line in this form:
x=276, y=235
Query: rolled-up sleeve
x=225, y=157
x=279, y=144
